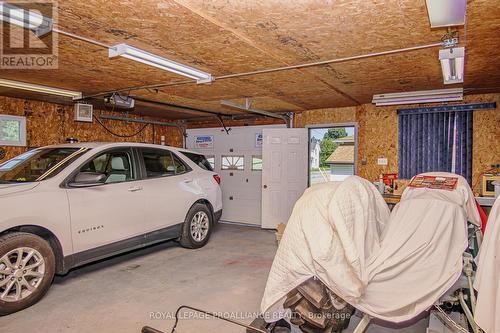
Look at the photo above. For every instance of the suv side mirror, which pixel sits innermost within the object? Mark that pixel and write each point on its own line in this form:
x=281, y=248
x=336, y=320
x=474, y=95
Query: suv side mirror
x=86, y=179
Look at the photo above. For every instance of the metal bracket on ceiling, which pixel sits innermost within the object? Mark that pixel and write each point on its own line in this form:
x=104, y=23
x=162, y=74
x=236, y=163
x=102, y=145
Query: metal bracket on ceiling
x=289, y=122
x=219, y=117
x=450, y=39
x=247, y=106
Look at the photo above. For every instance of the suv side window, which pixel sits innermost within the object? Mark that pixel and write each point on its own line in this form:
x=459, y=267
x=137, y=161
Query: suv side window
x=116, y=165
x=162, y=163
x=180, y=167
x=200, y=160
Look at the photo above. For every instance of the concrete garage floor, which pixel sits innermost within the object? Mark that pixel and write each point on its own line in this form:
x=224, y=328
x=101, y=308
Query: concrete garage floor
x=145, y=287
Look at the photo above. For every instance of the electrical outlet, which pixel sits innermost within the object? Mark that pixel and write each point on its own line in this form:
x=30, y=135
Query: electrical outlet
x=382, y=161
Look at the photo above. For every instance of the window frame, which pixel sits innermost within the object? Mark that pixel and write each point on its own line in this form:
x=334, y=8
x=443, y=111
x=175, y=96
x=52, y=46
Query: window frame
x=22, y=131
x=142, y=165
x=136, y=172
x=353, y=124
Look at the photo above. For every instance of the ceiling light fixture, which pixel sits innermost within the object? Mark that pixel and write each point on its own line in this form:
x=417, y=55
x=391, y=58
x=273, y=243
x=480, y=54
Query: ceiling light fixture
x=446, y=13
x=27, y=19
x=452, y=64
x=418, y=97
x=150, y=59
x=40, y=89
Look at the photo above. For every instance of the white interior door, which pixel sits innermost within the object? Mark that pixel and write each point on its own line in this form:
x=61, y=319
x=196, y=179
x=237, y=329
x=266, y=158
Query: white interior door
x=284, y=174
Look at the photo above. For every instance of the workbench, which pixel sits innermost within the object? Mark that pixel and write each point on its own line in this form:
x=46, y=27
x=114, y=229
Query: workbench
x=485, y=202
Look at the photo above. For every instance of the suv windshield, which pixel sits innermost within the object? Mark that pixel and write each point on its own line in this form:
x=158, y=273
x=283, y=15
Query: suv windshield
x=199, y=160
x=38, y=164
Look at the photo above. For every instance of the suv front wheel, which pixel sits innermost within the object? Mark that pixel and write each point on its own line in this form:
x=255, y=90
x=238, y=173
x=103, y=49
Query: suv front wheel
x=27, y=266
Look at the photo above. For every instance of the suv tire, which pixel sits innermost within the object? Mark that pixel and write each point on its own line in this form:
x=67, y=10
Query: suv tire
x=27, y=266
x=197, y=227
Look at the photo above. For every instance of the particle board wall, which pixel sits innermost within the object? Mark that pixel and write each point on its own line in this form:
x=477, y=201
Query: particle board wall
x=49, y=123
x=378, y=134
x=378, y=137
x=486, y=138
x=377, y=130
x=325, y=116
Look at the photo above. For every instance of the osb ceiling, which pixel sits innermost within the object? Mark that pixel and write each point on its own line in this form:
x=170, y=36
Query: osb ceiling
x=233, y=36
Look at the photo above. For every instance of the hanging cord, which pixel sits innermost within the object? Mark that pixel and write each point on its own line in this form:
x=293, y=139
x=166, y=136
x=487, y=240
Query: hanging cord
x=120, y=135
x=451, y=321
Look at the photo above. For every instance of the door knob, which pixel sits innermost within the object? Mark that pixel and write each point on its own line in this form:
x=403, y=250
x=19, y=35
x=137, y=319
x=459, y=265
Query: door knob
x=265, y=186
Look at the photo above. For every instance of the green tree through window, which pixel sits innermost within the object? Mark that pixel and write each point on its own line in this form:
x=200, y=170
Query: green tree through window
x=328, y=146
x=10, y=130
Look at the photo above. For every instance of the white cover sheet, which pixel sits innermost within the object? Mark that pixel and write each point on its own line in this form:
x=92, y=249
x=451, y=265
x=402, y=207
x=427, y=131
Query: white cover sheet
x=487, y=282
x=333, y=229
x=391, y=268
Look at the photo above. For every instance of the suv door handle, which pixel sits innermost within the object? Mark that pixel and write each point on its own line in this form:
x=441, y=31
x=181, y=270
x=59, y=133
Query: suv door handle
x=135, y=189
x=188, y=181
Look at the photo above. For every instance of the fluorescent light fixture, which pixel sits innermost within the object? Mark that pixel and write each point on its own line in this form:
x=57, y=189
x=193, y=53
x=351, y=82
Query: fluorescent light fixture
x=27, y=19
x=452, y=64
x=446, y=13
x=418, y=97
x=150, y=59
x=40, y=89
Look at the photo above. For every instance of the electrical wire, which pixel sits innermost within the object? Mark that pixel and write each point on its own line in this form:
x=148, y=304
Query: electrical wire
x=85, y=39
x=119, y=135
x=450, y=320
x=277, y=69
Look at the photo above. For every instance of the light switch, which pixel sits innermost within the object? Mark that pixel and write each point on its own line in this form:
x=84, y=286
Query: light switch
x=382, y=161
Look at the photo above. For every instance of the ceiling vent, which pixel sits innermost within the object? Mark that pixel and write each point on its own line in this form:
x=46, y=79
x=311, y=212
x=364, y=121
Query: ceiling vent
x=83, y=112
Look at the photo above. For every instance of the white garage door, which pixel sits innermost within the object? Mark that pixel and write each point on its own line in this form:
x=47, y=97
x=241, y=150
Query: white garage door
x=238, y=160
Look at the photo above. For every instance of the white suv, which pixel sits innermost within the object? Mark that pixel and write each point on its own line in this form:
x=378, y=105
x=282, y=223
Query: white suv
x=66, y=205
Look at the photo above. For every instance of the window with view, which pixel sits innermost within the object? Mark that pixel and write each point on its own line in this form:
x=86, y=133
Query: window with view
x=332, y=153
x=257, y=163
x=12, y=130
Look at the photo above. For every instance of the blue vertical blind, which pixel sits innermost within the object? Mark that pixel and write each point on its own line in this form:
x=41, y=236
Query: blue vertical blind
x=463, y=146
x=435, y=141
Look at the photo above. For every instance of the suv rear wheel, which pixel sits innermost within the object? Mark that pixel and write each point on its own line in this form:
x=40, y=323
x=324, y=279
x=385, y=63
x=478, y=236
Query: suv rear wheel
x=197, y=227
x=27, y=266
